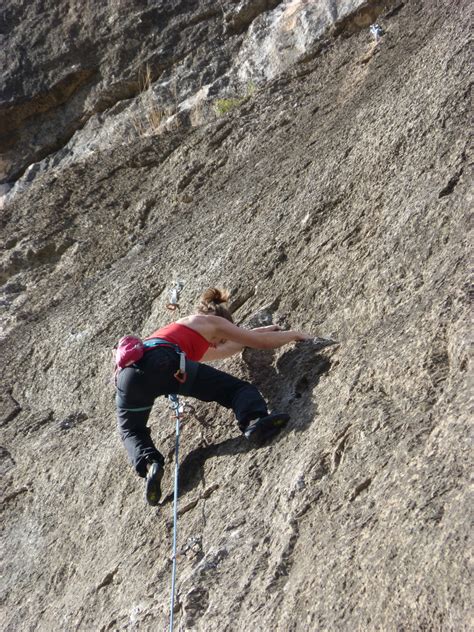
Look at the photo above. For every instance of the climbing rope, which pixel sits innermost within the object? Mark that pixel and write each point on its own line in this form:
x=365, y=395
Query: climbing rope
x=178, y=409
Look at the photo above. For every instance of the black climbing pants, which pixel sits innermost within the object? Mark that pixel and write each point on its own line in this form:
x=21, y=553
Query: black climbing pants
x=138, y=387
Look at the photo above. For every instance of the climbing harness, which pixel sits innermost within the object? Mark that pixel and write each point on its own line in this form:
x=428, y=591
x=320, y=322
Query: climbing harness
x=179, y=409
x=174, y=296
x=130, y=349
x=180, y=374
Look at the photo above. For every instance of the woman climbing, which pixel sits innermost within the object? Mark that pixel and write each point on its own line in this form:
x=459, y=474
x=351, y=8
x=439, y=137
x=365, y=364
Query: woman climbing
x=208, y=335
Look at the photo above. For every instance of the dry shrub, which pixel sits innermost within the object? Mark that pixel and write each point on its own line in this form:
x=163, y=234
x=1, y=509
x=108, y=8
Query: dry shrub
x=153, y=115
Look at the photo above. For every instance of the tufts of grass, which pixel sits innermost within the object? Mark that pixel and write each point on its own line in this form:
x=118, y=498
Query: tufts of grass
x=153, y=116
x=222, y=106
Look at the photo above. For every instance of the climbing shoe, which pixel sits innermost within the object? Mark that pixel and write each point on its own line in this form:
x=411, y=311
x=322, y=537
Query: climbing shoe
x=153, y=484
x=265, y=428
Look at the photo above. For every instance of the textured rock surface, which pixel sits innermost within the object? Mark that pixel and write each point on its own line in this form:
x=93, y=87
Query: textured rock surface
x=334, y=199
x=67, y=61
x=102, y=73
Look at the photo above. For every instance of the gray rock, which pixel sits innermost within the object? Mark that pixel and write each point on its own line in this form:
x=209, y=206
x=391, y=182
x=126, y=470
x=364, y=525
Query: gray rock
x=335, y=198
x=89, y=88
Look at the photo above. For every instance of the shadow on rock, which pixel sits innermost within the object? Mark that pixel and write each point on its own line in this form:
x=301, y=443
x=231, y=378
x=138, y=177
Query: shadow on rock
x=287, y=385
x=191, y=470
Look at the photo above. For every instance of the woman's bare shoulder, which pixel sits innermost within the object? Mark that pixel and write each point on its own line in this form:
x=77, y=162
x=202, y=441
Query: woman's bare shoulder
x=203, y=319
x=203, y=323
x=196, y=319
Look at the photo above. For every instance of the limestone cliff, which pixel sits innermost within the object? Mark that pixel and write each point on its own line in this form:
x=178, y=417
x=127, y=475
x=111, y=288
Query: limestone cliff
x=331, y=195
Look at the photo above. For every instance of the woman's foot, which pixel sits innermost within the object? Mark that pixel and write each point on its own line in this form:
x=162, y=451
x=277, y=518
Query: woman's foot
x=153, y=483
x=260, y=430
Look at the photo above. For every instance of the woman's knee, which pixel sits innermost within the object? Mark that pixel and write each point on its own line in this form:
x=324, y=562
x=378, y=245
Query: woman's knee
x=130, y=422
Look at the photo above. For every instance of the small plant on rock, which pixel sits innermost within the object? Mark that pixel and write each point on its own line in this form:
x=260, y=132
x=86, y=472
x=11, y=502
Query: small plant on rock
x=153, y=116
x=222, y=106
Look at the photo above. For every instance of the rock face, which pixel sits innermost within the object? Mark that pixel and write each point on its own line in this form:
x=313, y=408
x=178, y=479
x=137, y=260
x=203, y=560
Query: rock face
x=94, y=74
x=333, y=199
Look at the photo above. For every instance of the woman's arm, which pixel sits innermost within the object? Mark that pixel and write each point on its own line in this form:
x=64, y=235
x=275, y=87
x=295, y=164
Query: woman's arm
x=267, y=328
x=263, y=339
x=230, y=348
x=221, y=351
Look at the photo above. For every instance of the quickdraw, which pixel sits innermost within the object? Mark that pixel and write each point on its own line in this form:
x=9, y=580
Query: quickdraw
x=181, y=374
x=174, y=296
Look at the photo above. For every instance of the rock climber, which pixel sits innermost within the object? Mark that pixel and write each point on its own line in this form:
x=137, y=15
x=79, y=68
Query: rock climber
x=207, y=335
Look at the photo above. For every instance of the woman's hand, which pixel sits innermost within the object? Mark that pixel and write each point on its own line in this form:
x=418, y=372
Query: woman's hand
x=301, y=335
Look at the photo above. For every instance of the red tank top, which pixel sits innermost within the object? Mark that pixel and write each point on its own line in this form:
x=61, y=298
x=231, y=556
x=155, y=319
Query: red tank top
x=188, y=340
